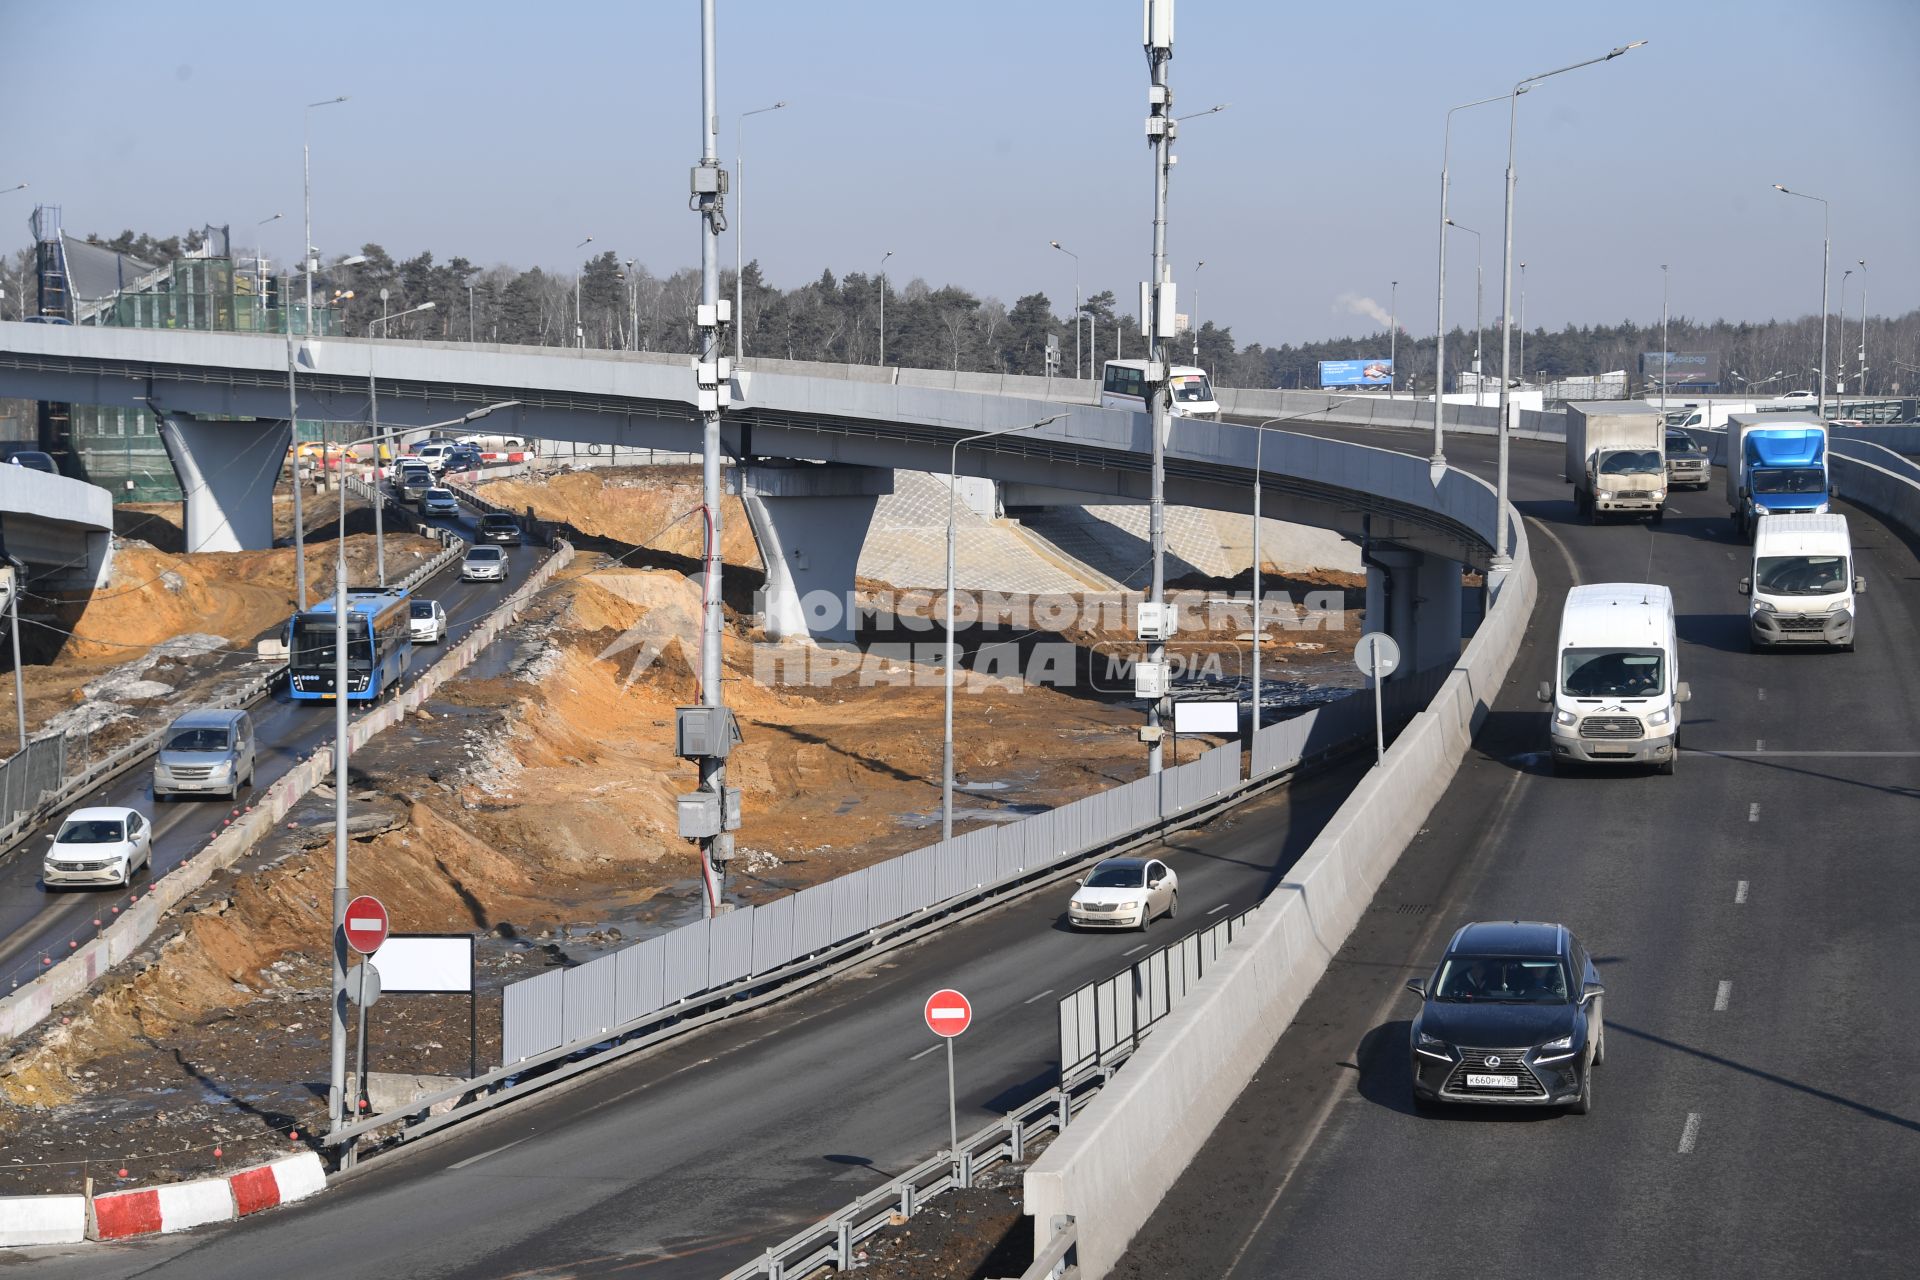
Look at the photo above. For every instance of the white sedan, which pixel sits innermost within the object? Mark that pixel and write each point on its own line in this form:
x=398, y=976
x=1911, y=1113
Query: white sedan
x=1125, y=893
x=99, y=846
x=428, y=620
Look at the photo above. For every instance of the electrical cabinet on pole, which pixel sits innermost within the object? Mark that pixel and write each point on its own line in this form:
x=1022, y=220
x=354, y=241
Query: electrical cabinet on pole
x=707, y=733
x=1157, y=311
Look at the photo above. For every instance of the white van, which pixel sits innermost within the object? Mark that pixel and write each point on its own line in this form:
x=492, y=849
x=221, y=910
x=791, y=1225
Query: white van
x=1123, y=385
x=1802, y=587
x=1616, y=693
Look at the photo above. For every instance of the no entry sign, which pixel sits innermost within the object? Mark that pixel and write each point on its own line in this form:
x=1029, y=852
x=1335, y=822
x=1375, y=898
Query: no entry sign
x=366, y=925
x=948, y=1013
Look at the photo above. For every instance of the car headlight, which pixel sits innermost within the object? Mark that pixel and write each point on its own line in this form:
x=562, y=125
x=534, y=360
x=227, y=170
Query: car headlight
x=1659, y=717
x=1554, y=1050
x=1564, y=717
x=1762, y=606
x=1431, y=1045
x=1823, y=509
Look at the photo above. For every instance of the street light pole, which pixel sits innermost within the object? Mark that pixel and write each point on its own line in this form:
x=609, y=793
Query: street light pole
x=1161, y=128
x=1393, y=341
x=953, y=646
x=1826, y=255
x=379, y=440
x=1479, y=379
x=1438, y=463
x=883, y=306
x=1502, y=562
x=1078, y=364
x=306, y=189
x=1666, y=350
x=579, y=330
x=740, y=226
x=1194, y=321
x=1521, y=373
x=1862, y=380
x=13, y=624
x=293, y=429
x=1841, y=385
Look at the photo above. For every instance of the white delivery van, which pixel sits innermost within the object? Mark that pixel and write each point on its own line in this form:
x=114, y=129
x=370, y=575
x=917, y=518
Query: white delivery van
x=1802, y=587
x=1616, y=692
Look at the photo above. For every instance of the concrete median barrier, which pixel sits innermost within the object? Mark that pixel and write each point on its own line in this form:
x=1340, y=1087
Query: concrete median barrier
x=280, y=1182
x=1186, y=1075
x=26, y=1220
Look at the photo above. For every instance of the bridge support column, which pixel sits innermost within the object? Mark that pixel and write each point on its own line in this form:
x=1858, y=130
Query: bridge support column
x=1415, y=598
x=228, y=471
x=810, y=522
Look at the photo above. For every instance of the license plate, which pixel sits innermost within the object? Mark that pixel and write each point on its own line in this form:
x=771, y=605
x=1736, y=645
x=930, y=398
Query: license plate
x=1493, y=1082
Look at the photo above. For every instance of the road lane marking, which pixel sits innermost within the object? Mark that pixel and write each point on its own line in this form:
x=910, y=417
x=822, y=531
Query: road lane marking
x=1759, y=745
x=1739, y=892
x=1690, y=1134
x=1805, y=755
x=1573, y=570
x=1761, y=694
x=1217, y=910
x=1722, y=996
x=1043, y=994
x=484, y=1154
x=1753, y=812
x=1135, y=950
x=923, y=1053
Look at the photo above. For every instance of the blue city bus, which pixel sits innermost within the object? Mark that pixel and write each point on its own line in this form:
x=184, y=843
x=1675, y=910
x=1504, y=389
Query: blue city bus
x=379, y=646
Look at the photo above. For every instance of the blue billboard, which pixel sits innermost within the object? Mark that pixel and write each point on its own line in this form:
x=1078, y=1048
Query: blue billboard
x=1356, y=373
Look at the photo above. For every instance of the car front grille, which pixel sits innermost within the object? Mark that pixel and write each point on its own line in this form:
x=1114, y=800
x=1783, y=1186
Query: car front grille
x=1633, y=493
x=1513, y=1062
x=191, y=772
x=1099, y=906
x=1611, y=727
x=83, y=866
x=1800, y=621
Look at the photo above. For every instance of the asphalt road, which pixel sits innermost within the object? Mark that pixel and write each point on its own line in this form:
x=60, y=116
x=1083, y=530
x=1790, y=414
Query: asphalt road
x=695, y=1157
x=1758, y=1113
x=36, y=922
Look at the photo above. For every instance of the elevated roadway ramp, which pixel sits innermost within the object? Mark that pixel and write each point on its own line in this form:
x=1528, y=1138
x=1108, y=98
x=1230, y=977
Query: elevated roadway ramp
x=60, y=527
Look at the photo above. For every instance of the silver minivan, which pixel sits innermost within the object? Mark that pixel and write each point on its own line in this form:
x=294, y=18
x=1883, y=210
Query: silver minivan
x=208, y=752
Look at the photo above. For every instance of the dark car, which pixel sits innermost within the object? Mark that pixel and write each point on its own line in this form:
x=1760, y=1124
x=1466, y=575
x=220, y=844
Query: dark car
x=497, y=526
x=1511, y=1017
x=34, y=460
x=463, y=457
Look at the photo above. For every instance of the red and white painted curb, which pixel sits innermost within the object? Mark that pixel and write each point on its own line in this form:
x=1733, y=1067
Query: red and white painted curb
x=180, y=1206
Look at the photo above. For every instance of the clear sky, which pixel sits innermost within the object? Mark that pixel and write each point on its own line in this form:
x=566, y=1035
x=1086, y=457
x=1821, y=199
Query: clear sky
x=964, y=137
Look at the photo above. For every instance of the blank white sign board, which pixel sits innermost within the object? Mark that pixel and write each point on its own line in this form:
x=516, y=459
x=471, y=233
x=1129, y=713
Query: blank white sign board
x=425, y=962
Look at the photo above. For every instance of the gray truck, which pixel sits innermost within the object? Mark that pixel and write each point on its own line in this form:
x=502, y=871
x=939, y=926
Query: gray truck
x=1616, y=459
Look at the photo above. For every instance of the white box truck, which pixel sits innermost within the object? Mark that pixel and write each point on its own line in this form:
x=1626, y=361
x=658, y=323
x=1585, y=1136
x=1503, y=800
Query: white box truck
x=1616, y=459
x=1616, y=693
x=1776, y=465
x=1802, y=587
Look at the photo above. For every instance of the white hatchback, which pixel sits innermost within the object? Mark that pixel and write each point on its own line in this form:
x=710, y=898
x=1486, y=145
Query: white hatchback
x=428, y=620
x=1125, y=893
x=99, y=846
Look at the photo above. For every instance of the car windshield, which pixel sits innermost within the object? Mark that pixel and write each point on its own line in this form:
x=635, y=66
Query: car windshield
x=92, y=831
x=1112, y=877
x=1612, y=673
x=497, y=522
x=484, y=553
x=1191, y=388
x=1800, y=575
x=198, y=740
x=1789, y=480
x=438, y=494
x=1629, y=461
x=1501, y=980
x=1680, y=444
x=421, y=609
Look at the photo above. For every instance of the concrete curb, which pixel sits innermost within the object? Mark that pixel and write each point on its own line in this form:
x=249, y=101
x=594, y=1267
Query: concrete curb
x=24, y=1009
x=1187, y=1074
x=28, y=1220
x=177, y=1206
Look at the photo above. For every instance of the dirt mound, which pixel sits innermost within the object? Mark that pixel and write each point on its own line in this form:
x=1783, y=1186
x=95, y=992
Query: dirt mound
x=657, y=508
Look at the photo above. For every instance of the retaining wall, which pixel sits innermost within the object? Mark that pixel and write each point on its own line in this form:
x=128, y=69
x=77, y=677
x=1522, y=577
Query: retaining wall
x=1188, y=1073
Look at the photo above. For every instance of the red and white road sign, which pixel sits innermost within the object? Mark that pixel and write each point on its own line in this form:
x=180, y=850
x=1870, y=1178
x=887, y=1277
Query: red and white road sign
x=366, y=925
x=948, y=1013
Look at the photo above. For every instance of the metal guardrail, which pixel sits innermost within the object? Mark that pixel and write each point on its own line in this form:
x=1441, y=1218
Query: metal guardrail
x=1059, y=1260
x=832, y=1241
x=1102, y=1022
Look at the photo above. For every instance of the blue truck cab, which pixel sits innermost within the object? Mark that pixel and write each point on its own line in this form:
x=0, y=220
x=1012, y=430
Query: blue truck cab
x=1776, y=465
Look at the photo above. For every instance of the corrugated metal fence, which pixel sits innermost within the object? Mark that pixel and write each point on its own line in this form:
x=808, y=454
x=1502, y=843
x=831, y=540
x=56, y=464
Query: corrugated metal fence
x=1108, y=1017
x=31, y=774
x=607, y=996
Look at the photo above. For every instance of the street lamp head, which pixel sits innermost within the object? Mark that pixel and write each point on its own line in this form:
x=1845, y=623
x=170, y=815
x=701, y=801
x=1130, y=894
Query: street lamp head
x=1625, y=48
x=1778, y=187
x=351, y=260
x=584, y=243
x=426, y=306
x=275, y=218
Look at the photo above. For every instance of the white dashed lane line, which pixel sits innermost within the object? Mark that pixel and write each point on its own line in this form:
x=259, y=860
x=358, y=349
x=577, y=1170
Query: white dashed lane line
x=1041, y=996
x=1722, y=996
x=1739, y=892
x=1690, y=1133
x=1753, y=812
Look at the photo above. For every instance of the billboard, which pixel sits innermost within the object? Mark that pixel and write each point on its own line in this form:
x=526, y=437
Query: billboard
x=1696, y=369
x=1356, y=373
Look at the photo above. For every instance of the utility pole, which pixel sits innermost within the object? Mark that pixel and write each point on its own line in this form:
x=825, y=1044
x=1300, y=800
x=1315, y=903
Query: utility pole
x=1193, y=321
x=1861, y=384
x=712, y=374
x=1520, y=375
x=337, y=1080
x=1393, y=341
x=1157, y=308
x=293, y=427
x=883, y=307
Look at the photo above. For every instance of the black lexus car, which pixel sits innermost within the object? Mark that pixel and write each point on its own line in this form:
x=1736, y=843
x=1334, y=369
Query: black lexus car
x=497, y=526
x=1511, y=1016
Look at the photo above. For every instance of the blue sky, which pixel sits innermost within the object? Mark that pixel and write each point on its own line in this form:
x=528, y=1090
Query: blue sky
x=965, y=137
